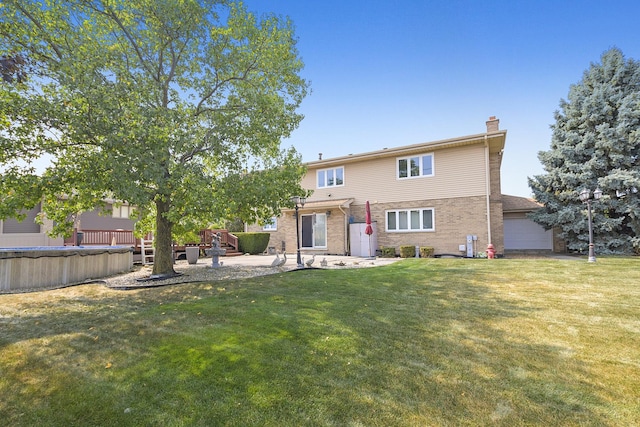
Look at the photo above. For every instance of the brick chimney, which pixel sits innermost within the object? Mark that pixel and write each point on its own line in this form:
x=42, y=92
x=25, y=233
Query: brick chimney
x=493, y=124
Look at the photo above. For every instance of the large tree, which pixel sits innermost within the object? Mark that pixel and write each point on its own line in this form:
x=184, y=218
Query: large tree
x=595, y=144
x=176, y=107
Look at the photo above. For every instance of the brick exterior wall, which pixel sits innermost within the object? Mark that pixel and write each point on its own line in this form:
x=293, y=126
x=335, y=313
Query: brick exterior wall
x=497, y=215
x=455, y=218
x=286, y=232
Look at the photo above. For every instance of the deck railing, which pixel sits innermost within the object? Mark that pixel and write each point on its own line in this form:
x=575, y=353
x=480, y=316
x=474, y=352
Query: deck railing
x=108, y=237
x=226, y=238
x=101, y=238
x=126, y=237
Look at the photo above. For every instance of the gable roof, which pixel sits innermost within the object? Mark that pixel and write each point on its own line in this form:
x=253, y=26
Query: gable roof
x=495, y=140
x=519, y=204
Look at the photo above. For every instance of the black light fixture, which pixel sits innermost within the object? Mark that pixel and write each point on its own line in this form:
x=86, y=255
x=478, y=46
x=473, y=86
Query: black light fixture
x=299, y=203
x=586, y=197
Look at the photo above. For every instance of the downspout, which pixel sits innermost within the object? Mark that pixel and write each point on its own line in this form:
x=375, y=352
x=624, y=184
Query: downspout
x=346, y=229
x=488, y=187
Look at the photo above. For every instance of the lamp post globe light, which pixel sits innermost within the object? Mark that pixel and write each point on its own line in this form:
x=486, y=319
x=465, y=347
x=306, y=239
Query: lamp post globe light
x=299, y=203
x=586, y=197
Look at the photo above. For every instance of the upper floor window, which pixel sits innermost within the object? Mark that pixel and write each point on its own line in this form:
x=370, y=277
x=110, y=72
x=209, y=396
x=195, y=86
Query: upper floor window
x=272, y=225
x=330, y=177
x=415, y=166
x=122, y=211
x=420, y=219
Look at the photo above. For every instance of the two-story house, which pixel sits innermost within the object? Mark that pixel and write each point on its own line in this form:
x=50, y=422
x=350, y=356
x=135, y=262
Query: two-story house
x=444, y=194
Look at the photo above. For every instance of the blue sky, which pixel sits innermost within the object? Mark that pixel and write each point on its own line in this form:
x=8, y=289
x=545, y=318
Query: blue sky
x=391, y=73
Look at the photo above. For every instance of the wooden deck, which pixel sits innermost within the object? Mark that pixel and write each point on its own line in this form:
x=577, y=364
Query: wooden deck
x=126, y=238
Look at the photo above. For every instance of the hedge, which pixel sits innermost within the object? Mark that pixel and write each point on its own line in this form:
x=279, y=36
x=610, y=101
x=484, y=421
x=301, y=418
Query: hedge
x=407, y=251
x=426, y=251
x=388, y=252
x=252, y=243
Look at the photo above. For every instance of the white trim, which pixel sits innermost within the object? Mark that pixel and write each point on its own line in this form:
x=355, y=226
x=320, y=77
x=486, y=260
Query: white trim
x=410, y=230
x=421, y=173
x=334, y=169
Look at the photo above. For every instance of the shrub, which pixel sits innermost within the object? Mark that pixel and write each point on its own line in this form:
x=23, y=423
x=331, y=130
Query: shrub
x=426, y=251
x=388, y=252
x=407, y=251
x=252, y=243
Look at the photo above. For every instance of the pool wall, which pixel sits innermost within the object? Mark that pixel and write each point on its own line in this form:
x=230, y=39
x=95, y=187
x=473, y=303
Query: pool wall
x=24, y=269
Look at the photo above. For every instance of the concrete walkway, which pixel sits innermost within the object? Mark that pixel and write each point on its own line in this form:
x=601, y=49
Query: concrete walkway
x=334, y=260
x=266, y=260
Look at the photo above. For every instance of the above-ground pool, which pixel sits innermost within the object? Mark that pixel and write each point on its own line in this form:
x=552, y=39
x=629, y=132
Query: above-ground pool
x=54, y=266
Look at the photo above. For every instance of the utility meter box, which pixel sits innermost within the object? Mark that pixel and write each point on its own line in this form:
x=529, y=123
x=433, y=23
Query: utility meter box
x=471, y=243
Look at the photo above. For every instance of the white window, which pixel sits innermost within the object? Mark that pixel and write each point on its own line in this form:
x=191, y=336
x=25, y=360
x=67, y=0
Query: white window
x=415, y=166
x=272, y=225
x=122, y=211
x=419, y=219
x=330, y=177
x=320, y=231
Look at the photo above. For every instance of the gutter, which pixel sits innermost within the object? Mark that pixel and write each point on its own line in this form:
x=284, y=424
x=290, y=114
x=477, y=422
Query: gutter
x=488, y=187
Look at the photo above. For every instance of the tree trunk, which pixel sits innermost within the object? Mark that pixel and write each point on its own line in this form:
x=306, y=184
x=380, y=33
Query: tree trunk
x=163, y=261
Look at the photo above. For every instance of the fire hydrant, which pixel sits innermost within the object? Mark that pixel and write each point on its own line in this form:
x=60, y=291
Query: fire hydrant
x=491, y=252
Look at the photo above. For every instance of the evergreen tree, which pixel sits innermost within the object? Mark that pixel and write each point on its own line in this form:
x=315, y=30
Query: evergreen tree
x=595, y=144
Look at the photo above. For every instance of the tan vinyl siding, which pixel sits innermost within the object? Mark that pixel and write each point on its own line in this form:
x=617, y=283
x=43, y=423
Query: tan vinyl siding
x=458, y=172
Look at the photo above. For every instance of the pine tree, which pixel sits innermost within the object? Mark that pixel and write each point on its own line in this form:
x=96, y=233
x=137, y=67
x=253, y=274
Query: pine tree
x=595, y=144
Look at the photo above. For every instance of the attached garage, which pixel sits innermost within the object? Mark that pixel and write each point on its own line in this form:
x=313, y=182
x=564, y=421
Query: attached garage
x=521, y=233
x=524, y=234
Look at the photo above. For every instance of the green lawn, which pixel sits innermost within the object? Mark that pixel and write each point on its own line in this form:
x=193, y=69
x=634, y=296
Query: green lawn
x=432, y=342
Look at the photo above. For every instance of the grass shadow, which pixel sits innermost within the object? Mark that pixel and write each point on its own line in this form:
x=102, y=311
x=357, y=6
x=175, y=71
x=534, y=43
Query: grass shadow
x=441, y=342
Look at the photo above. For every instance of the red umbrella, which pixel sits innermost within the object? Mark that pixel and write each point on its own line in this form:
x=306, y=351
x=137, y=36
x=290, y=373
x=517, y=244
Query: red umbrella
x=367, y=210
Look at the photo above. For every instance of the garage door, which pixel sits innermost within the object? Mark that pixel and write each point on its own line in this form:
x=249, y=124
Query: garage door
x=522, y=234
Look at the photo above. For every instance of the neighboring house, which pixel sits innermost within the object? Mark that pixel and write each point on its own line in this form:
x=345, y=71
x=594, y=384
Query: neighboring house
x=108, y=225
x=444, y=194
x=27, y=233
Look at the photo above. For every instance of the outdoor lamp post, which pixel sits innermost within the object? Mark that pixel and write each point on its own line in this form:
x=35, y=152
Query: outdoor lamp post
x=585, y=197
x=299, y=202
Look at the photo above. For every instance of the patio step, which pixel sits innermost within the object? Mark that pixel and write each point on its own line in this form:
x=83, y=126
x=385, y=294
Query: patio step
x=232, y=252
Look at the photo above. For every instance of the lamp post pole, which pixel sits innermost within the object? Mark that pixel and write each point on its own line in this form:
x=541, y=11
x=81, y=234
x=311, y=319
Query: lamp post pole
x=585, y=197
x=299, y=202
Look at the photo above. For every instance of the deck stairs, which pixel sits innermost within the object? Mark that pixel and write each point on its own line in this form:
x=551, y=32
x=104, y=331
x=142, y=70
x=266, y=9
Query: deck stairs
x=147, y=251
